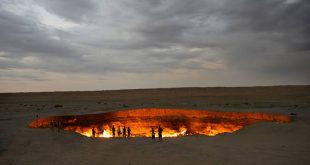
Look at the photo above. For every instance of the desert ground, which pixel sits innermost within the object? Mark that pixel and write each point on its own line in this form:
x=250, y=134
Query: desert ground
x=262, y=143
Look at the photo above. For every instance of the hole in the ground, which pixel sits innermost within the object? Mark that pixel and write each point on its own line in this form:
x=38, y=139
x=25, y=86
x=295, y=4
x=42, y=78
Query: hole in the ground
x=175, y=122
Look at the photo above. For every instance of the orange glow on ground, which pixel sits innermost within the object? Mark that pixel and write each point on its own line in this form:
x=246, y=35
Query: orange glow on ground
x=175, y=122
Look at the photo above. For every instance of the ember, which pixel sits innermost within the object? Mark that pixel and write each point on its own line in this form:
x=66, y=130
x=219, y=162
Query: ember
x=176, y=122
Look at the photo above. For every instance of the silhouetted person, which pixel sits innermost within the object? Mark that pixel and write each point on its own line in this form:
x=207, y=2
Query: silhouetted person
x=113, y=131
x=160, y=133
x=93, y=132
x=153, y=133
x=128, y=131
x=37, y=122
x=119, y=131
x=102, y=131
x=124, y=131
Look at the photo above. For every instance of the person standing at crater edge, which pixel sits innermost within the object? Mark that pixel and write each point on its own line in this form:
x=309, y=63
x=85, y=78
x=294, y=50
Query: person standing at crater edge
x=93, y=132
x=113, y=131
x=119, y=131
x=153, y=133
x=102, y=131
x=128, y=131
x=160, y=133
x=124, y=131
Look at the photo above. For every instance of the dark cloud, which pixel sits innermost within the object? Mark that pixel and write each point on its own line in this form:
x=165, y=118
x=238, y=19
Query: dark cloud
x=286, y=23
x=266, y=38
x=72, y=10
x=22, y=35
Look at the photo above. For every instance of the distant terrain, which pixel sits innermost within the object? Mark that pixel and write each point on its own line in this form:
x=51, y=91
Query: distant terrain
x=263, y=143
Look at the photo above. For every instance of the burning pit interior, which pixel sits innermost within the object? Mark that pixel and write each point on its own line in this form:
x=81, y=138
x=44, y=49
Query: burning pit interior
x=175, y=122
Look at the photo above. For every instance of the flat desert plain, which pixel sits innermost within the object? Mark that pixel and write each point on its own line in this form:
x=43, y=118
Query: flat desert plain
x=261, y=143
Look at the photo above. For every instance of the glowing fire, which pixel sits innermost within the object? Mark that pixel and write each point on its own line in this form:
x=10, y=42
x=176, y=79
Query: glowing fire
x=175, y=122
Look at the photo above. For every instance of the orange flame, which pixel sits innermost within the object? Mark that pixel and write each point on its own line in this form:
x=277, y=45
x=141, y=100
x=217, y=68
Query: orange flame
x=175, y=122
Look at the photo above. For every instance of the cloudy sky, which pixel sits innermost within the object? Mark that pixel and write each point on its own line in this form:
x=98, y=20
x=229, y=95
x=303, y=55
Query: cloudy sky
x=54, y=45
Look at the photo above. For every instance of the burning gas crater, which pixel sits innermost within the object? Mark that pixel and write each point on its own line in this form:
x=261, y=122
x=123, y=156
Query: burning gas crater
x=175, y=122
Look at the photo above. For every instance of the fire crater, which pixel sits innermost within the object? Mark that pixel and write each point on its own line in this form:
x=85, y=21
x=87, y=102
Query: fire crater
x=175, y=122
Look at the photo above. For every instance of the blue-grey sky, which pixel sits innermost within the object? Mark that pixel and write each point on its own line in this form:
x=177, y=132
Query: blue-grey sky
x=54, y=45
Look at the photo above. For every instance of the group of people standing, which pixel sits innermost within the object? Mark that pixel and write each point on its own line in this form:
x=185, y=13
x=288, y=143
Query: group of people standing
x=160, y=133
x=126, y=132
x=56, y=124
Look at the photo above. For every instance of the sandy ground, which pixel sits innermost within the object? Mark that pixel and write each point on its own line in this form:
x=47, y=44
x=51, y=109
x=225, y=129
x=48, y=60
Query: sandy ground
x=263, y=143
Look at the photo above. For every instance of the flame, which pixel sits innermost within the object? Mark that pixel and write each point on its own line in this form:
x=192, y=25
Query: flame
x=175, y=122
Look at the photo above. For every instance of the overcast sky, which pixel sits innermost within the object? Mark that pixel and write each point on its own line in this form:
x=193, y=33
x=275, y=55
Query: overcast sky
x=55, y=45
